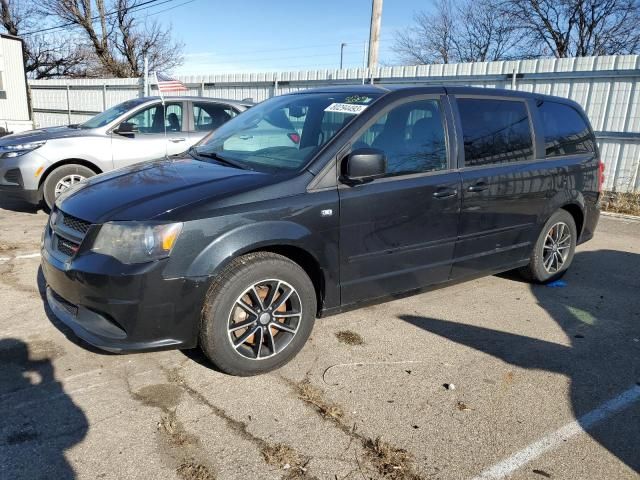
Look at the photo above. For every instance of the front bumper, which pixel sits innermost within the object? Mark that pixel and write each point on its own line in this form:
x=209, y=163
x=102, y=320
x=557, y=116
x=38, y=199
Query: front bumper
x=123, y=308
x=19, y=193
x=19, y=177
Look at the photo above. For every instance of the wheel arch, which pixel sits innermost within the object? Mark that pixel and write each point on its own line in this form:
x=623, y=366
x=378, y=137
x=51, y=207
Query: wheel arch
x=291, y=240
x=577, y=212
x=68, y=161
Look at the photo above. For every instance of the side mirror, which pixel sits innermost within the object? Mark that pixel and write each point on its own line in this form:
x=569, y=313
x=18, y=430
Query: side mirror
x=127, y=129
x=364, y=164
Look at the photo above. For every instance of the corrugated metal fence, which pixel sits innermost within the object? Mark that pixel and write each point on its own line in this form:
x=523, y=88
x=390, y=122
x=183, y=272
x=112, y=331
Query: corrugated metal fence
x=607, y=87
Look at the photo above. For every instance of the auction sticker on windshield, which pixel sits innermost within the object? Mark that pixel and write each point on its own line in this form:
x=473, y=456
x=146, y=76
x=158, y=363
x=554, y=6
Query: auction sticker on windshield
x=345, y=108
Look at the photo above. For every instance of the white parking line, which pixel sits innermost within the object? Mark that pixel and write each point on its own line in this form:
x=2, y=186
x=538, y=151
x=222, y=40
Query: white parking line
x=555, y=439
x=20, y=257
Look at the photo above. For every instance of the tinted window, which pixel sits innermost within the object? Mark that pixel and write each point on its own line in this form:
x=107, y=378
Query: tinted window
x=411, y=135
x=495, y=131
x=150, y=120
x=565, y=130
x=209, y=116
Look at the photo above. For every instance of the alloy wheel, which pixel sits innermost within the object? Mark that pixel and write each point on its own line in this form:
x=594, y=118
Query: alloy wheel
x=67, y=182
x=264, y=319
x=557, y=245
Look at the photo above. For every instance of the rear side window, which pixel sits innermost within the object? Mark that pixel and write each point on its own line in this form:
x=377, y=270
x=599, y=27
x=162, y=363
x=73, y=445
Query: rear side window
x=565, y=130
x=209, y=116
x=495, y=131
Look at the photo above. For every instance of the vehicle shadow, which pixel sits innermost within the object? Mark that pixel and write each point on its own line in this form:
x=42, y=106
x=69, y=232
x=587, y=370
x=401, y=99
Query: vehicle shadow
x=18, y=206
x=40, y=421
x=66, y=331
x=599, y=311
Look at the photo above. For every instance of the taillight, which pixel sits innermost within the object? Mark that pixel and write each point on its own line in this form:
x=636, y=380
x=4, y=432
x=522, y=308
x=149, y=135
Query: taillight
x=600, y=175
x=295, y=138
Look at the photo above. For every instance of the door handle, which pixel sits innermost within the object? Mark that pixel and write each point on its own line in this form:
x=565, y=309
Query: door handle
x=478, y=187
x=245, y=137
x=445, y=192
x=177, y=140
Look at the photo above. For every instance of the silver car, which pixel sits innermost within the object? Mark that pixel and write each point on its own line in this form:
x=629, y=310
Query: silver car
x=40, y=164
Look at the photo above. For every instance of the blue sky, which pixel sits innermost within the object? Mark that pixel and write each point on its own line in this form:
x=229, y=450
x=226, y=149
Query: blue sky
x=226, y=36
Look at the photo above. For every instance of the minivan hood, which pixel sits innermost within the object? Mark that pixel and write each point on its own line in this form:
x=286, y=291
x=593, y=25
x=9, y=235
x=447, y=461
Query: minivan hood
x=43, y=134
x=152, y=190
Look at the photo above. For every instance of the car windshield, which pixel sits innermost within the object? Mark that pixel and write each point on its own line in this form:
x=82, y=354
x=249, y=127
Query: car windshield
x=284, y=133
x=111, y=114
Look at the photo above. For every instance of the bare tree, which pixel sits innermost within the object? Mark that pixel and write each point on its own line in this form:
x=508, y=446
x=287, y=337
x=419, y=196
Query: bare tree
x=119, y=41
x=44, y=56
x=485, y=33
x=458, y=31
x=430, y=39
x=568, y=28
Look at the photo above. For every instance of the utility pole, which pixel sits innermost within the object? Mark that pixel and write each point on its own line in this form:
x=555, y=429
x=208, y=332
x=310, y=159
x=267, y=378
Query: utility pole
x=146, y=76
x=342, y=45
x=374, y=32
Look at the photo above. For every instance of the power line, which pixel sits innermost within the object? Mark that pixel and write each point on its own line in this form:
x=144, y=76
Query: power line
x=135, y=8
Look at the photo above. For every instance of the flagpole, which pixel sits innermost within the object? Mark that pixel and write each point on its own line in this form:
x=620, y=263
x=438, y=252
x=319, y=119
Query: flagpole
x=164, y=115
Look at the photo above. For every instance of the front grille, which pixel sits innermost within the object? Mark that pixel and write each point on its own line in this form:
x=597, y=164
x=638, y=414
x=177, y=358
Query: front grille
x=68, y=306
x=66, y=247
x=74, y=223
x=13, y=176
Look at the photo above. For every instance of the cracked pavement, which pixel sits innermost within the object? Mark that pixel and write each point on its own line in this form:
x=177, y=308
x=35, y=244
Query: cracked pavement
x=364, y=398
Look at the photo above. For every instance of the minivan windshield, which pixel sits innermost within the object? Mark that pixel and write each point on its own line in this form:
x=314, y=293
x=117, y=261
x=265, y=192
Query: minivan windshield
x=284, y=133
x=111, y=114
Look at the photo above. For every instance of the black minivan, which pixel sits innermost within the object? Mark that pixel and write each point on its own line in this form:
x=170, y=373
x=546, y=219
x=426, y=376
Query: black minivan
x=315, y=202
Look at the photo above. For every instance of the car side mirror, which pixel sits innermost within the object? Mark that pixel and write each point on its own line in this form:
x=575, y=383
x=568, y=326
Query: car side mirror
x=363, y=165
x=127, y=129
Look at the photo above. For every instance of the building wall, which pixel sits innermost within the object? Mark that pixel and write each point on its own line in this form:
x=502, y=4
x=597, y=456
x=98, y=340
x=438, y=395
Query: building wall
x=608, y=88
x=14, y=107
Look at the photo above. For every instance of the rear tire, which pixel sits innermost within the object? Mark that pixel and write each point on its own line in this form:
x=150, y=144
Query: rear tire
x=66, y=175
x=249, y=292
x=553, y=252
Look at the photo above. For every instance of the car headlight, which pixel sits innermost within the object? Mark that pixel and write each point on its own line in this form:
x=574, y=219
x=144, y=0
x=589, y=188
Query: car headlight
x=132, y=242
x=10, y=151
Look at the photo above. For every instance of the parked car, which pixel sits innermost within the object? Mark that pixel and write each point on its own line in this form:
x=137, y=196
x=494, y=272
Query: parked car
x=388, y=191
x=40, y=164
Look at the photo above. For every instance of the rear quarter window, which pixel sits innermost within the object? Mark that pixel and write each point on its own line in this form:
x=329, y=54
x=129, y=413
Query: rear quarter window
x=495, y=131
x=565, y=130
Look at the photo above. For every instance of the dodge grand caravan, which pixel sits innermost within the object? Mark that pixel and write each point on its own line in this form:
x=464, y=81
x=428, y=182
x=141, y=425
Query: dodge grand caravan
x=386, y=191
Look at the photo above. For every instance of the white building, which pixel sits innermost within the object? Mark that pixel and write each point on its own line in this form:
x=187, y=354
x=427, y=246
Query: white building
x=14, y=100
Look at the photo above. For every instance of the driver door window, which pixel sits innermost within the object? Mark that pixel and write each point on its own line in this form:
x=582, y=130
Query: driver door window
x=412, y=136
x=152, y=120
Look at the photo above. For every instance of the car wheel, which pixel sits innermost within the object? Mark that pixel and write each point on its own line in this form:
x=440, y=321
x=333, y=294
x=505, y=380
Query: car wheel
x=553, y=252
x=61, y=179
x=258, y=314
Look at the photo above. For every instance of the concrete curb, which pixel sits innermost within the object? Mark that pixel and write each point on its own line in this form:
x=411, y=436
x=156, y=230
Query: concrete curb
x=621, y=215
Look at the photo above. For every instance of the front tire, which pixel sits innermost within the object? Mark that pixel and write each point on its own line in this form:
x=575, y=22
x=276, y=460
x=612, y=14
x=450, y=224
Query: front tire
x=554, y=250
x=62, y=178
x=258, y=314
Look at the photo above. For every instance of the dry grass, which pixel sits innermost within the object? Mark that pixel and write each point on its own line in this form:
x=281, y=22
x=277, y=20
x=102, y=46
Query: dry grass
x=349, y=337
x=622, y=202
x=281, y=455
x=391, y=462
x=194, y=471
x=313, y=395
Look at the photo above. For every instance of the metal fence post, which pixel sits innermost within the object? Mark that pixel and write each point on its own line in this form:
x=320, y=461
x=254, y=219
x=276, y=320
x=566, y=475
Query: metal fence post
x=104, y=97
x=68, y=105
x=202, y=88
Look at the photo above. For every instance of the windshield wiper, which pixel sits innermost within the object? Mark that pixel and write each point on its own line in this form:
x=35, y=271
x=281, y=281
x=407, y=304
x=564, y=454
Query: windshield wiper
x=218, y=158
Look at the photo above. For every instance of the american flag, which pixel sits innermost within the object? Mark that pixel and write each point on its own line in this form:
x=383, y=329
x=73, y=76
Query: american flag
x=167, y=84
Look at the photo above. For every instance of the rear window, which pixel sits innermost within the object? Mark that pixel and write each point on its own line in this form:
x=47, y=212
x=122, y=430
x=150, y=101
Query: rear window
x=565, y=130
x=495, y=131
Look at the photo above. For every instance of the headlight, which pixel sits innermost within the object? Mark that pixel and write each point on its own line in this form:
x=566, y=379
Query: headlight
x=10, y=151
x=131, y=242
